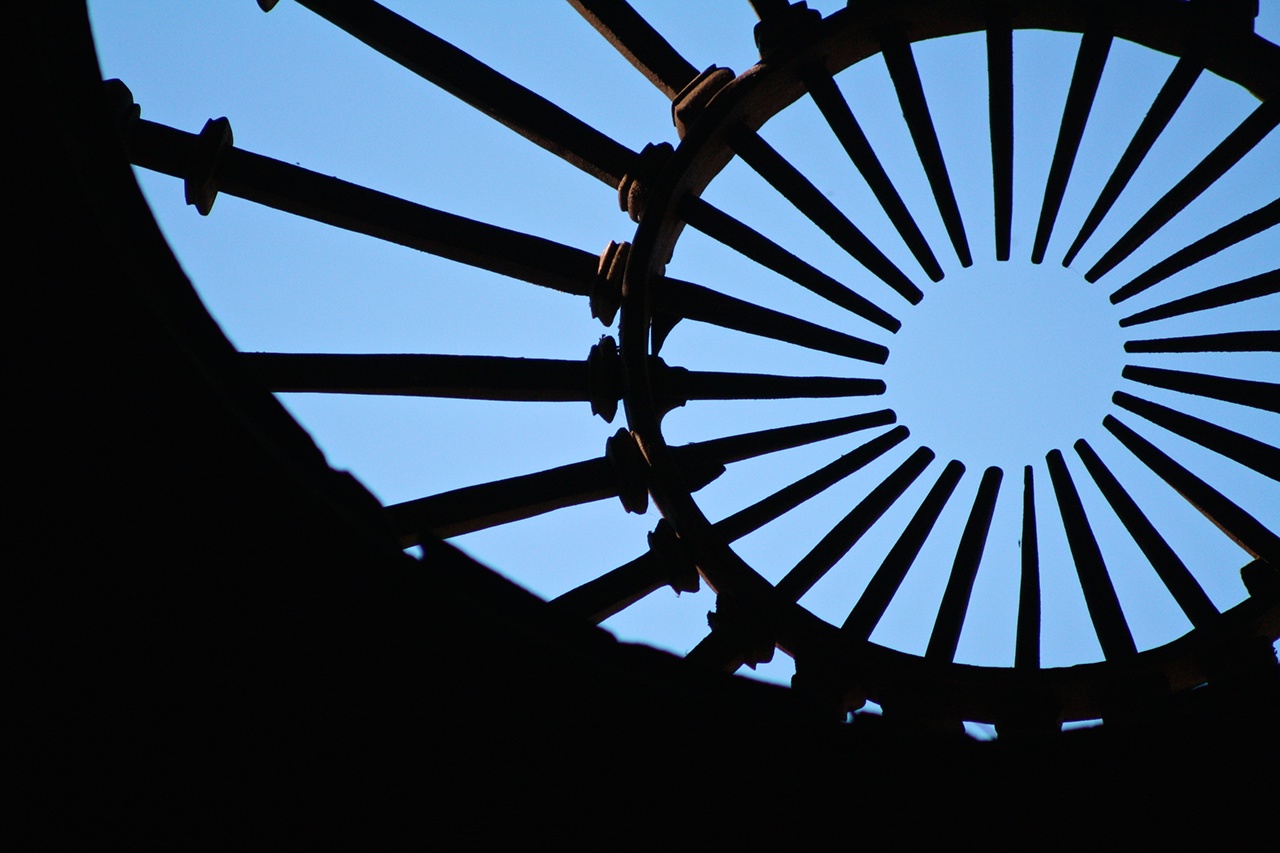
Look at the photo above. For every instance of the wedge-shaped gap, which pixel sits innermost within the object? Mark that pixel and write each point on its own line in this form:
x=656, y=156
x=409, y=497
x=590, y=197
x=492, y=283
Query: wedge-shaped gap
x=810, y=201
x=850, y=529
x=835, y=109
x=1238, y=525
x=955, y=598
x=1254, y=287
x=915, y=108
x=1215, y=164
x=1175, y=575
x=884, y=584
x=471, y=81
x=1171, y=95
x=1099, y=595
x=1228, y=235
x=750, y=243
x=1095, y=44
x=1261, y=457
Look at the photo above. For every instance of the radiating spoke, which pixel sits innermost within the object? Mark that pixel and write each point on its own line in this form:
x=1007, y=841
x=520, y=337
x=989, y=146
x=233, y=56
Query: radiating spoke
x=1099, y=595
x=1241, y=527
x=906, y=80
x=797, y=189
x=1225, y=342
x=642, y=45
x=1095, y=44
x=1172, y=571
x=1255, y=287
x=1229, y=152
x=674, y=386
x=1170, y=97
x=1000, y=112
x=835, y=109
x=475, y=83
x=742, y=238
x=955, y=599
x=850, y=529
x=334, y=202
x=1026, y=653
x=882, y=587
x=1245, y=392
x=1228, y=235
x=694, y=302
x=735, y=448
x=620, y=472
x=1249, y=452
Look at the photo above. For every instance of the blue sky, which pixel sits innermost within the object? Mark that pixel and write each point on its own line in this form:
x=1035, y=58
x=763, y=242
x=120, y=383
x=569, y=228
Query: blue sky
x=1037, y=345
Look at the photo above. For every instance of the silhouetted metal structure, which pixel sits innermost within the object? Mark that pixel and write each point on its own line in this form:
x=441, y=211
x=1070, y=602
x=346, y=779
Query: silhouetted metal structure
x=1219, y=671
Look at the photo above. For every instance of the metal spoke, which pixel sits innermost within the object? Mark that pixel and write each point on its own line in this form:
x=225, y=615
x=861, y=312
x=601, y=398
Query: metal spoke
x=1249, y=452
x=740, y=237
x=884, y=584
x=810, y=201
x=1171, y=95
x=955, y=599
x=302, y=192
x=1245, y=392
x=1095, y=44
x=1172, y=571
x=1099, y=595
x=735, y=448
x=849, y=530
x=475, y=83
x=1241, y=527
x=1255, y=287
x=1000, y=117
x=835, y=109
x=1229, y=152
x=642, y=45
x=620, y=472
x=694, y=302
x=906, y=81
x=1027, y=644
x=1225, y=342
x=674, y=386
x=1228, y=235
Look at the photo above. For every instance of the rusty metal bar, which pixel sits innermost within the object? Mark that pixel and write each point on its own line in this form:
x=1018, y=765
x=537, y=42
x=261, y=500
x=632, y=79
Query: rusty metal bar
x=642, y=45
x=906, y=81
x=1095, y=44
x=735, y=448
x=1215, y=164
x=810, y=201
x=882, y=587
x=1225, y=342
x=1254, y=287
x=1238, y=525
x=471, y=81
x=1175, y=575
x=1249, y=452
x=835, y=109
x=1026, y=653
x=955, y=599
x=1245, y=392
x=1099, y=595
x=464, y=376
x=1170, y=98
x=789, y=497
x=1000, y=117
x=302, y=192
x=694, y=302
x=745, y=240
x=676, y=385
x=850, y=529
x=1228, y=235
